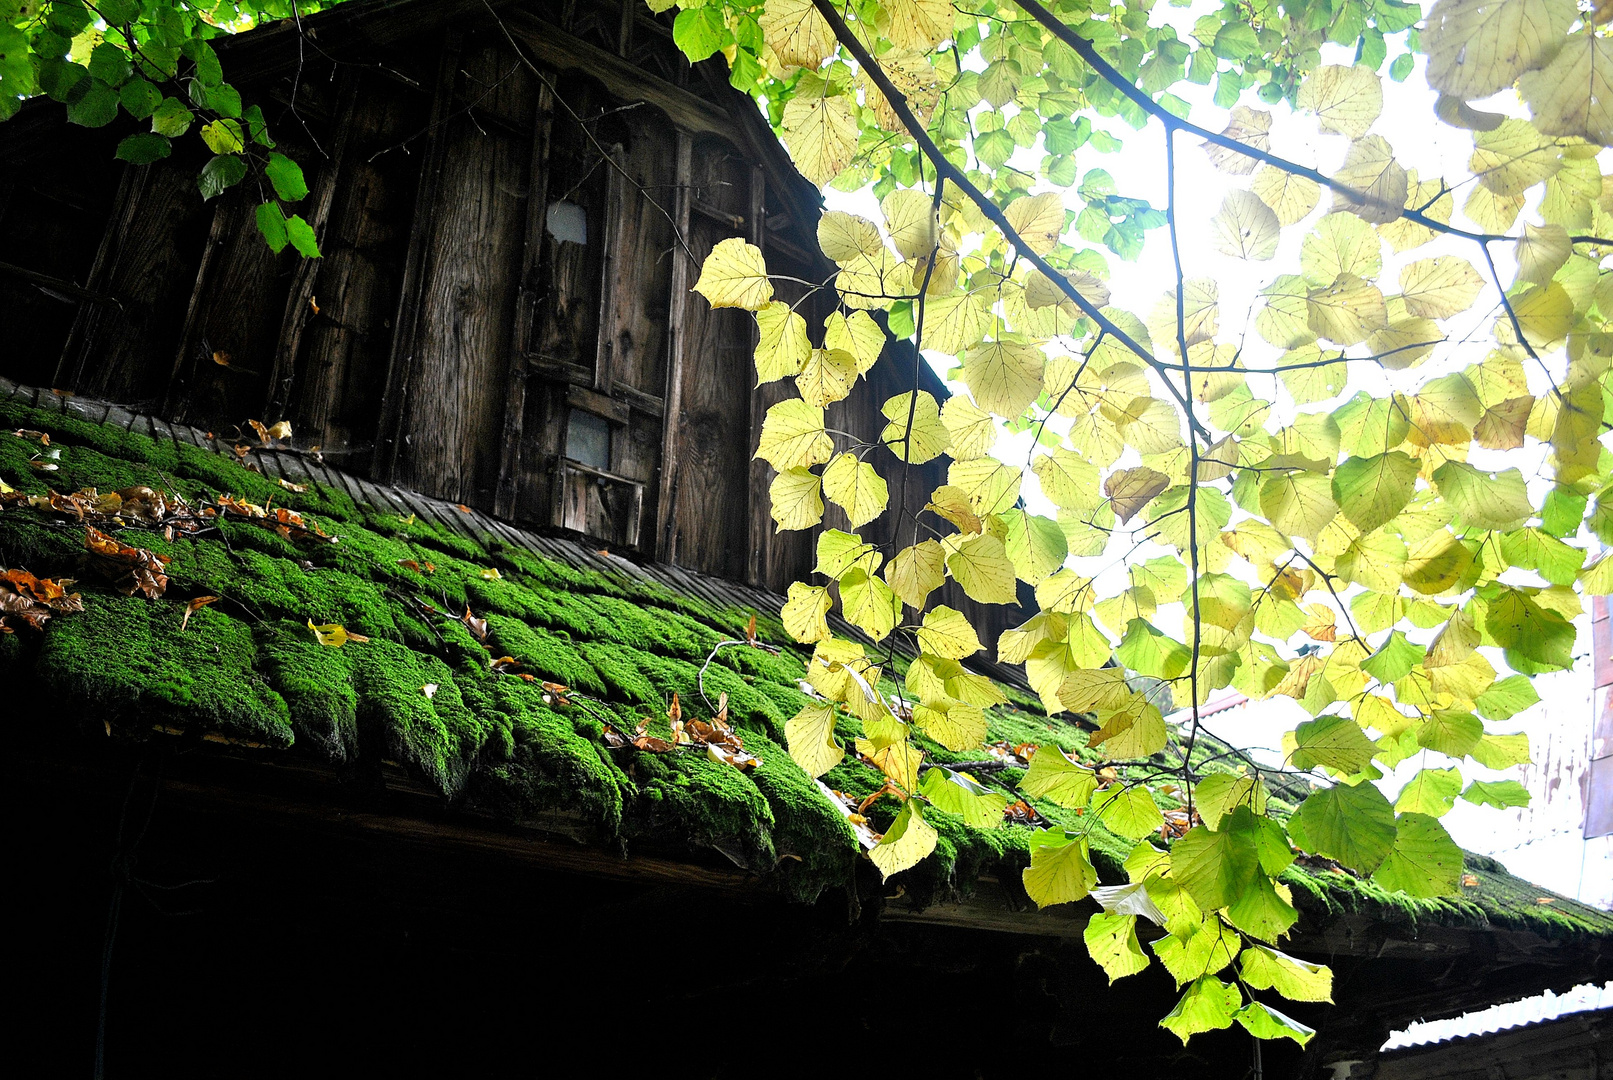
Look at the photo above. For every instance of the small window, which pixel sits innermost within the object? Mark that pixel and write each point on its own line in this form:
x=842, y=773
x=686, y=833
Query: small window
x=588, y=439
x=567, y=222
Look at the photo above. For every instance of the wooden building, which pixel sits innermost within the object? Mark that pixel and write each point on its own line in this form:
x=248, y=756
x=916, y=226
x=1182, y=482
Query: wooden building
x=513, y=202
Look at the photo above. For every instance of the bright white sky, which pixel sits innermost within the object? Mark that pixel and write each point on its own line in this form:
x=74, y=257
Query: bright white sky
x=1433, y=149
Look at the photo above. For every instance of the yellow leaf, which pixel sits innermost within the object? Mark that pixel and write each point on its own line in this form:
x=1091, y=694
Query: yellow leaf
x=1038, y=219
x=1068, y=480
x=909, y=840
x=821, y=133
x=1245, y=227
x=953, y=323
x=947, y=632
x=918, y=24
x=795, y=499
x=875, y=280
x=981, y=567
x=1290, y=197
x=1347, y=311
x=1004, y=376
x=810, y=737
x=1346, y=100
x=334, y=634
x=796, y=33
x=735, y=275
x=846, y=237
x=857, y=334
x=1059, y=873
x=792, y=435
x=1371, y=170
x=804, y=612
x=929, y=435
x=916, y=572
x=868, y=604
x=782, y=346
x=1041, y=291
x=911, y=220
x=1513, y=158
x=828, y=377
x=955, y=725
x=953, y=504
x=856, y=488
x=1341, y=244
x=990, y=486
x=491, y=574
x=1428, y=197
x=1252, y=128
x=1477, y=47
x=971, y=430
x=1541, y=251
x=1440, y=287
x=1491, y=212
x=1573, y=95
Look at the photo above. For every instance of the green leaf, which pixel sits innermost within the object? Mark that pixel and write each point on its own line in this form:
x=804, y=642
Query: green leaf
x=1425, y=862
x=1513, y=620
x=1484, y=500
x=271, y=223
x=286, y=176
x=1208, y=1005
x=1502, y=751
x=1355, y=825
x=1197, y=945
x=1500, y=794
x=1219, y=793
x=95, y=109
x=171, y=118
x=1060, y=871
x=960, y=794
x=1112, y=942
x=1372, y=491
x=1214, y=867
x=257, y=130
x=700, y=31
x=1129, y=811
x=139, y=98
x=302, y=237
x=1147, y=651
x=1431, y=791
x=1261, y=912
x=1055, y=777
x=1394, y=659
x=1334, y=741
x=1265, y=968
x=143, y=149
x=224, y=137
x=220, y=173
x=1264, y=1022
x=1451, y=732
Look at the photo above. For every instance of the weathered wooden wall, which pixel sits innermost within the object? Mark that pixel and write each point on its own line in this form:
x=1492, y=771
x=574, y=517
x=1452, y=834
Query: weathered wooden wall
x=511, y=213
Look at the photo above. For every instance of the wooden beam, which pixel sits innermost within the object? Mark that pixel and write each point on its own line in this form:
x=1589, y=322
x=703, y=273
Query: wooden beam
x=676, y=332
x=60, y=287
x=537, y=212
x=394, y=400
x=552, y=45
x=756, y=560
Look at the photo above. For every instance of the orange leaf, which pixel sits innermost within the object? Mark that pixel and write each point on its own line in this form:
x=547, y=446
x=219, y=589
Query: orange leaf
x=193, y=607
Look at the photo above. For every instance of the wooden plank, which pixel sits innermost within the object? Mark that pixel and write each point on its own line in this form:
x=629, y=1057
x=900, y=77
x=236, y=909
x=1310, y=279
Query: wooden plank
x=340, y=369
x=300, y=297
x=451, y=425
x=389, y=435
x=613, y=260
x=537, y=206
x=758, y=497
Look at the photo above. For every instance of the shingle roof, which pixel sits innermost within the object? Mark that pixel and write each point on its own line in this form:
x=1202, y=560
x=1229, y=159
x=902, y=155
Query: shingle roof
x=248, y=676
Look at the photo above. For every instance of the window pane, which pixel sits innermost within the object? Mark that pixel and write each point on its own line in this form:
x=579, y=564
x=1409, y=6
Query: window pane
x=588, y=439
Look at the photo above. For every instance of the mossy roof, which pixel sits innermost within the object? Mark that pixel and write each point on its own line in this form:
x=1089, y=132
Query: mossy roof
x=247, y=670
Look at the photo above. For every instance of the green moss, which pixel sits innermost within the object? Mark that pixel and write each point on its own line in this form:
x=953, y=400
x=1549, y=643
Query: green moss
x=126, y=659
